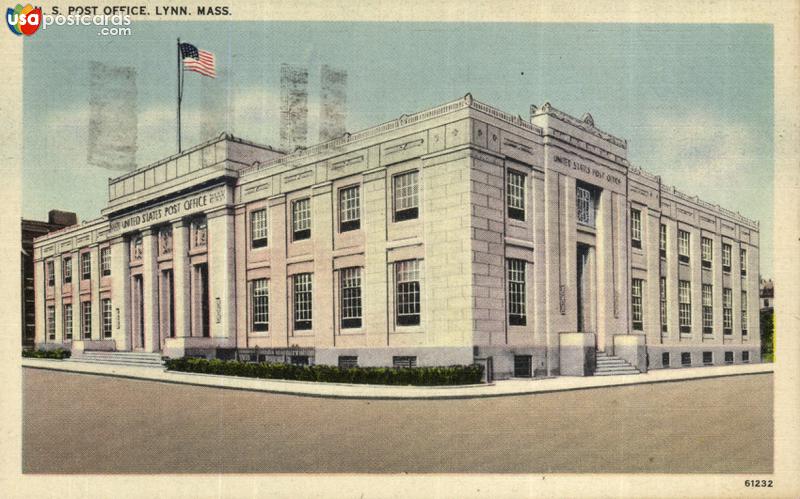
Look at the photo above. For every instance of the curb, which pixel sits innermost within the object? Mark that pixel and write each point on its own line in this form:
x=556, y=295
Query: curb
x=392, y=392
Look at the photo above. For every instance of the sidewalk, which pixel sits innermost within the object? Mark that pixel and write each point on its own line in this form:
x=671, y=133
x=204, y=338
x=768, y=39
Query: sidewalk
x=336, y=390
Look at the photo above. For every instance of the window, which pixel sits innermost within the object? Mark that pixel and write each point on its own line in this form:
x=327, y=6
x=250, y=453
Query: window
x=67, y=322
x=516, y=292
x=66, y=270
x=399, y=361
x=743, y=261
x=299, y=360
x=259, y=298
x=105, y=261
x=685, y=306
x=662, y=241
x=686, y=359
x=745, y=356
x=351, y=297
x=51, y=322
x=86, y=320
x=515, y=195
x=522, y=366
x=726, y=257
x=258, y=228
x=744, y=313
x=663, y=305
x=302, y=301
x=636, y=228
x=348, y=361
x=349, y=209
x=86, y=266
x=199, y=232
x=51, y=274
x=708, y=358
x=708, y=309
x=406, y=196
x=707, y=246
x=105, y=305
x=636, y=304
x=683, y=246
x=727, y=311
x=408, y=292
x=665, y=359
x=301, y=219
x=729, y=357
x=585, y=206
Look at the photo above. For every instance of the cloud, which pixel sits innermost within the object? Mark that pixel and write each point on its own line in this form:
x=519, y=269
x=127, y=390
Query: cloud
x=698, y=153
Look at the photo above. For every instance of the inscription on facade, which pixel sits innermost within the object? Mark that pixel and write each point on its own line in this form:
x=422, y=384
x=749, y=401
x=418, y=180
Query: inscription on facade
x=167, y=211
x=588, y=169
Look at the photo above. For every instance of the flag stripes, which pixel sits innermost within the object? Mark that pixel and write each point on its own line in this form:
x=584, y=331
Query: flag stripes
x=199, y=61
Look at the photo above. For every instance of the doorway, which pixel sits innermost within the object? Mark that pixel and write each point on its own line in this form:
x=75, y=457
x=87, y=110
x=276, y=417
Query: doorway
x=586, y=286
x=137, y=331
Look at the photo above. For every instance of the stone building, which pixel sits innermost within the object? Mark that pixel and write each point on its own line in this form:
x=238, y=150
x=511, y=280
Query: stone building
x=31, y=229
x=449, y=236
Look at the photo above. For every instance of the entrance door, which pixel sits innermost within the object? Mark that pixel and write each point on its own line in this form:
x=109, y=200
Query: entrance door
x=586, y=289
x=137, y=331
x=581, y=284
x=167, y=325
x=200, y=301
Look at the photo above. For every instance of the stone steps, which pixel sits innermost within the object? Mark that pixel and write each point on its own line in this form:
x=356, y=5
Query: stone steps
x=610, y=365
x=144, y=359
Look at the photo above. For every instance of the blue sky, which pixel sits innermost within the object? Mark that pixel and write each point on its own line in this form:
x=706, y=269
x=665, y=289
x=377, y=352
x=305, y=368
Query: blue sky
x=695, y=102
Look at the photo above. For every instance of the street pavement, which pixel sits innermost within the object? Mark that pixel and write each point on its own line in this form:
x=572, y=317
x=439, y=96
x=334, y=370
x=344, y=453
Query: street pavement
x=86, y=423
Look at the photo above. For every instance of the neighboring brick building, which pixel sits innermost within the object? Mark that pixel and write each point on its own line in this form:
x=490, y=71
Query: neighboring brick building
x=456, y=234
x=30, y=230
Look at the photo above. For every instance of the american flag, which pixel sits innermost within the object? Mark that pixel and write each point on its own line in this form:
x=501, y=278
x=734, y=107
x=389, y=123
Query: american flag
x=198, y=61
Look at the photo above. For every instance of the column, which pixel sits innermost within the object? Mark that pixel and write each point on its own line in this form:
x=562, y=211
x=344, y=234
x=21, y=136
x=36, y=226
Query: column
x=152, y=341
x=181, y=281
x=278, y=285
x=120, y=295
x=97, y=315
x=652, y=304
x=322, y=206
x=696, y=272
x=736, y=286
x=717, y=283
x=76, y=298
x=221, y=275
x=376, y=282
x=673, y=324
x=57, y=300
x=39, y=298
x=605, y=272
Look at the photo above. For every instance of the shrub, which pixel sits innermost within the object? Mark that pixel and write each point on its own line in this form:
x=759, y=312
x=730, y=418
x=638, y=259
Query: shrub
x=420, y=376
x=58, y=353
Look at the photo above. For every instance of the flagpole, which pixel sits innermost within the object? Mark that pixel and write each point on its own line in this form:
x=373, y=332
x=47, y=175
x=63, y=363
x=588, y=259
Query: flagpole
x=179, y=96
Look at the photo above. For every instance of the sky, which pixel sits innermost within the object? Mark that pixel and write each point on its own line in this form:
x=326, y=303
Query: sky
x=694, y=102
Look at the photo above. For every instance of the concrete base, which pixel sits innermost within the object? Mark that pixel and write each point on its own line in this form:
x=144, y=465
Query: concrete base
x=382, y=357
x=632, y=349
x=577, y=354
x=194, y=346
x=655, y=354
x=98, y=345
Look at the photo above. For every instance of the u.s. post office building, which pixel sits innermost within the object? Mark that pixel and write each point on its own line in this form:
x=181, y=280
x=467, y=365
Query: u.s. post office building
x=453, y=235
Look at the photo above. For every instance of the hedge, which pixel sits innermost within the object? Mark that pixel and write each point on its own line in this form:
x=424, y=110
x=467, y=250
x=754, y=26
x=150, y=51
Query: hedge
x=421, y=376
x=58, y=353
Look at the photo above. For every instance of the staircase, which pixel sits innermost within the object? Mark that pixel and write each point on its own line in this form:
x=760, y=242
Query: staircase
x=142, y=359
x=610, y=365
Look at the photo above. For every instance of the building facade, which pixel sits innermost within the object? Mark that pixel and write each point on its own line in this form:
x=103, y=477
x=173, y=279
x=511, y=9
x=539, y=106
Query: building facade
x=31, y=229
x=453, y=235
